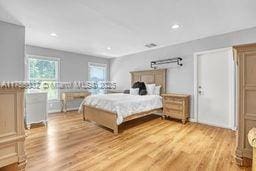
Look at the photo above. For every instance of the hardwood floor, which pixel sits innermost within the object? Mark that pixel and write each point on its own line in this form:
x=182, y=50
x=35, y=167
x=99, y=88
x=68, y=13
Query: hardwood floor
x=69, y=143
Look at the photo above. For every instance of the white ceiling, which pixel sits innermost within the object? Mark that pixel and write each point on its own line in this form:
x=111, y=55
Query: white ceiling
x=90, y=26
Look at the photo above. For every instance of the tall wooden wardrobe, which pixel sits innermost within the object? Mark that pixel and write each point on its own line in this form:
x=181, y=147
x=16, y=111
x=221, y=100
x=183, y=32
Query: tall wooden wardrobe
x=12, y=133
x=246, y=99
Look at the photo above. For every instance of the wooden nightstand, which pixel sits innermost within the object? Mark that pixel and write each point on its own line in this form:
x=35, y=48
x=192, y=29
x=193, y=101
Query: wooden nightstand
x=176, y=106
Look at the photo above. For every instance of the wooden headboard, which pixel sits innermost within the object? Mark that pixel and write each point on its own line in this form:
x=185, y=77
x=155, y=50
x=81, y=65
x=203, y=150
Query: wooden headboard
x=157, y=76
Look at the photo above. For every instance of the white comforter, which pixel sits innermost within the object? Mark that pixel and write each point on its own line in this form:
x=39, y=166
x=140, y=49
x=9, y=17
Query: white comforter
x=123, y=104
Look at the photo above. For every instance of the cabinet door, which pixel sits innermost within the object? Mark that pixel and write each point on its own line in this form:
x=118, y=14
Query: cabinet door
x=12, y=133
x=36, y=108
x=8, y=114
x=36, y=112
x=247, y=100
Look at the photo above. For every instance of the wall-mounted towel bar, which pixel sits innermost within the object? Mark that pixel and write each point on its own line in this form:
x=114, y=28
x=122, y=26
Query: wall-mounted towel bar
x=177, y=60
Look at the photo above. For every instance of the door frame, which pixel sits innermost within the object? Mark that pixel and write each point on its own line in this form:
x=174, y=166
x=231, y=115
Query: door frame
x=232, y=81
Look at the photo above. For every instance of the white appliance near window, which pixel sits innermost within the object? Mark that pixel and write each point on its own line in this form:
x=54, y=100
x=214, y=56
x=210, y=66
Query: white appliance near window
x=36, y=108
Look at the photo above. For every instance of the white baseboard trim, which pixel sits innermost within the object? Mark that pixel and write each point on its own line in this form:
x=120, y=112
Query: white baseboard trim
x=59, y=110
x=54, y=111
x=210, y=124
x=234, y=128
x=74, y=108
x=216, y=125
x=192, y=120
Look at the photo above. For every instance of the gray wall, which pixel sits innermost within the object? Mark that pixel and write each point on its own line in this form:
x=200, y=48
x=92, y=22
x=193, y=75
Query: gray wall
x=73, y=67
x=179, y=79
x=12, y=44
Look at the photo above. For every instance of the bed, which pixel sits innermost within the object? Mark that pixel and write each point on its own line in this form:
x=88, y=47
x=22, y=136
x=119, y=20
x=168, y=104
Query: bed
x=110, y=110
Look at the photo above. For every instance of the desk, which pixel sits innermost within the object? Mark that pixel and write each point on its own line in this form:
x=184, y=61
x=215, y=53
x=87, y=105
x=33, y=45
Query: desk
x=69, y=96
x=114, y=91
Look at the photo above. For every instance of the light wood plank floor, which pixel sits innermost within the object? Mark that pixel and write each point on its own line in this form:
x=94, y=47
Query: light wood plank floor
x=69, y=143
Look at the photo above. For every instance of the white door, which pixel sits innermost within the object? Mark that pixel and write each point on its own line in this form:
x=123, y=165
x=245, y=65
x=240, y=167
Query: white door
x=215, y=88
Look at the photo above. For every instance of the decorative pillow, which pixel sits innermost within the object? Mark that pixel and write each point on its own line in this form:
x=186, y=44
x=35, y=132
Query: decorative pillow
x=143, y=92
x=150, y=88
x=141, y=86
x=134, y=91
x=126, y=91
x=157, y=90
x=136, y=84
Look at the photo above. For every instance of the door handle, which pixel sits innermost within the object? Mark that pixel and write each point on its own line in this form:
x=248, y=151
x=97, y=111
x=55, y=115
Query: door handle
x=200, y=90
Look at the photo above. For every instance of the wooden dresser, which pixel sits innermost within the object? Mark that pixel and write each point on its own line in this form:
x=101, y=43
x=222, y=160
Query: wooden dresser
x=12, y=133
x=176, y=106
x=245, y=57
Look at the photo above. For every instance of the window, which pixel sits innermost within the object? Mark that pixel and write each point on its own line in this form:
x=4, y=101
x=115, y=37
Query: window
x=46, y=71
x=97, y=73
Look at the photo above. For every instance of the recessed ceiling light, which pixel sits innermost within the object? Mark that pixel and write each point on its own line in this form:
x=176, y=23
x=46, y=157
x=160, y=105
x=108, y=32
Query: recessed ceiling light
x=175, y=26
x=108, y=48
x=54, y=34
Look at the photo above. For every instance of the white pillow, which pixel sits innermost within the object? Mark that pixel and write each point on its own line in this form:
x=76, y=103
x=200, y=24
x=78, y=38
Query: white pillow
x=157, y=90
x=134, y=91
x=150, y=89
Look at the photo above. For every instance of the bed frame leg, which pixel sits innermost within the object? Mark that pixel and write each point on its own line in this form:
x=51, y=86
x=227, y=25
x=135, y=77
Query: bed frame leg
x=84, y=118
x=116, y=130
